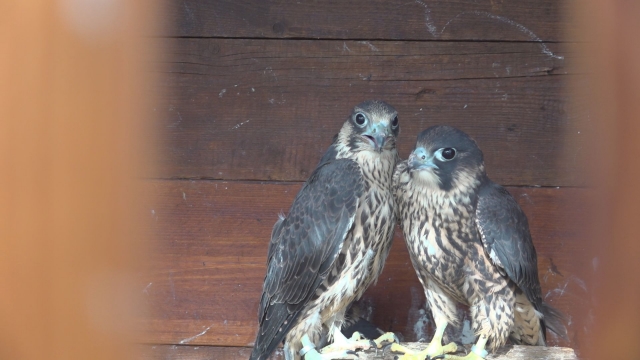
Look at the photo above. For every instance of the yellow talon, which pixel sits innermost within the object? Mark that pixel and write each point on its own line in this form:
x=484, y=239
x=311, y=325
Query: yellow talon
x=386, y=338
x=431, y=351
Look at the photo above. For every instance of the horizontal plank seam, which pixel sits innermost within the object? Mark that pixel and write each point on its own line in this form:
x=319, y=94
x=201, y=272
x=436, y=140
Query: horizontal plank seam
x=536, y=74
x=367, y=39
x=299, y=182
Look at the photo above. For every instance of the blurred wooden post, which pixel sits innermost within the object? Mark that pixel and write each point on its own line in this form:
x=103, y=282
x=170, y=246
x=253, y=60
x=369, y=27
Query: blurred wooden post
x=73, y=78
x=611, y=57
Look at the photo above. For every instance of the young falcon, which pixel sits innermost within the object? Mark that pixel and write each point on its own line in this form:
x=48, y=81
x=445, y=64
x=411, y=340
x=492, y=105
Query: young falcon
x=333, y=243
x=469, y=243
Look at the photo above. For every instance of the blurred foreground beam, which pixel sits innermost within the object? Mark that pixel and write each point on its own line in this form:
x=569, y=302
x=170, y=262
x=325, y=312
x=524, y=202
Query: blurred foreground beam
x=72, y=125
x=612, y=60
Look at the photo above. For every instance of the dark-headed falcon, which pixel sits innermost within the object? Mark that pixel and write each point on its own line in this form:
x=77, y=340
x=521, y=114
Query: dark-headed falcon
x=469, y=243
x=334, y=241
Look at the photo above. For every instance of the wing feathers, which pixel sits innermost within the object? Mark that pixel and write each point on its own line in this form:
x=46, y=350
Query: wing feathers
x=304, y=246
x=504, y=231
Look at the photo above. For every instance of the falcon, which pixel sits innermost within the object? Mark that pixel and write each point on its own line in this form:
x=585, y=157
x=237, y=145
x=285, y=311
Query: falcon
x=469, y=243
x=334, y=241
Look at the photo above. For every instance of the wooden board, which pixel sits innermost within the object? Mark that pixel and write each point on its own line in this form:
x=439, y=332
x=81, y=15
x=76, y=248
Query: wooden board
x=525, y=20
x=186, y=352
x=267, y=109
x=169, y=352
x=209, y=253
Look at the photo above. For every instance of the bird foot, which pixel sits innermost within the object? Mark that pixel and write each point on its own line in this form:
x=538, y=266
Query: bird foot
x=341, y=344
x=309, y=352
x=384, y=339
x=432, y=352
x=475, y=354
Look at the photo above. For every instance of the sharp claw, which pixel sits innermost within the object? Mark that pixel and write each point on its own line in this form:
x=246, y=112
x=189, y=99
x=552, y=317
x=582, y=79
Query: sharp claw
x=373, y=344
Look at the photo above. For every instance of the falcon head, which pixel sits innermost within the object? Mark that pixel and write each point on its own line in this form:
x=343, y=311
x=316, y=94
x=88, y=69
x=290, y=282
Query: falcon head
x=446, y=158
x=372, y=126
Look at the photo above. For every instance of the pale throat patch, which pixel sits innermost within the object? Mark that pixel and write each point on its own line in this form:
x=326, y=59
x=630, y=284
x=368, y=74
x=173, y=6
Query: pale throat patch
x=427, y=178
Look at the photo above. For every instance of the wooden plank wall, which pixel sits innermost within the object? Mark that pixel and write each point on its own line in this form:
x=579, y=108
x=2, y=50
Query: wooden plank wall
x=253, y=92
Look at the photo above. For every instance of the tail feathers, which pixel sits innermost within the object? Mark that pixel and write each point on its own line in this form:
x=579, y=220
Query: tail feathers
x=262, y=353
x=259, y=352
x=554, y=320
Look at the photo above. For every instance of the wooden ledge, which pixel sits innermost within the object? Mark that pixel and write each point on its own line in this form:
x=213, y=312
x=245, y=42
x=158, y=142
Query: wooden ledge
x=191, y=352
x=515, y=352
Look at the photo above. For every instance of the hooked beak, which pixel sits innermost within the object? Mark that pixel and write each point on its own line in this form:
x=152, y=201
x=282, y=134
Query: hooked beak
x=419, y=160
x=377, y=136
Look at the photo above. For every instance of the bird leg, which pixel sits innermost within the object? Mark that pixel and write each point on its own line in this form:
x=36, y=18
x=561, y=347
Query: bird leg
x=477, y=351
x=433, y=351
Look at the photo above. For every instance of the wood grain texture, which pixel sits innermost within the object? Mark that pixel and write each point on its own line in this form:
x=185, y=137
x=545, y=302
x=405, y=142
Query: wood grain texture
x=268, y=109
x=209, y=256
x=187, y=352
x=526, y=20
x=172, y=352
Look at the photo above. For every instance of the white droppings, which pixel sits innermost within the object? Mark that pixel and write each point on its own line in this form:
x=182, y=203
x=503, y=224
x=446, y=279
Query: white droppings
x=269, y=70
x=465, y=106
x=253, y=90
x=427, y=20
x=345, y=47
x=419, y=326
x=153, y=212
x=370, y=45
x=184, y=196
x=222, y=92
x=530, y=34
x=240, y=124
x=467, y=336
x=189, y=339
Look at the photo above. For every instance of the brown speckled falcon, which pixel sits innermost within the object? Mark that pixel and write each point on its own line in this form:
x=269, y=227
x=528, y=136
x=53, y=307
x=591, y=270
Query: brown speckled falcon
x=469, y=243
x=333, y=243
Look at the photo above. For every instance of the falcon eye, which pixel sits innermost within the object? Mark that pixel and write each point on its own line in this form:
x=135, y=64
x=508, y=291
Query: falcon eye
x=445, y=154
x=360, y=119
x=394, y=122
x=448, y=153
